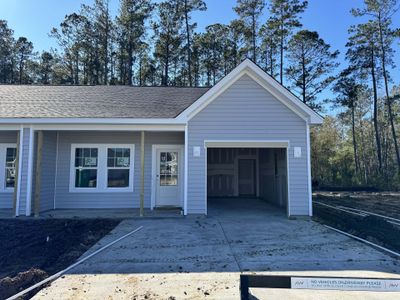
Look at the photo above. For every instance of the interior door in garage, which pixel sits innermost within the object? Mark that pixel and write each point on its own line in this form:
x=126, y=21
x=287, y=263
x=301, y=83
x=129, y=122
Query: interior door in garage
x=247, y=177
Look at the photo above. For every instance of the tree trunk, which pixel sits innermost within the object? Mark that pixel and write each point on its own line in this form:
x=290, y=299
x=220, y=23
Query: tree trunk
x=189, y=54
x=281, y=67
x=303, y=75
x=254, y=38
x=353, y=128
x=388, y=102
x=130, y=63
x=107, y=34
x=376, y=127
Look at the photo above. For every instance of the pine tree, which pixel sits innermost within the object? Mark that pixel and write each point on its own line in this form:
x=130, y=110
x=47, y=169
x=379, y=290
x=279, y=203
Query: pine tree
x=23, y=50
x=250, y=11
x=189, y=7
x=284, y=19
x=382, y=11
x=131, y=23
x=310, y=63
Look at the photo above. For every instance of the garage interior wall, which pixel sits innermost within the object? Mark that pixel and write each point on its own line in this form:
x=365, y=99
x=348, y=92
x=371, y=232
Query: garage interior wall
x=248, y=172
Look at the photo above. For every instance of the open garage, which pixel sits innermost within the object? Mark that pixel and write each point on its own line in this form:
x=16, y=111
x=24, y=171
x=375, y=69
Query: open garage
x=243, y=176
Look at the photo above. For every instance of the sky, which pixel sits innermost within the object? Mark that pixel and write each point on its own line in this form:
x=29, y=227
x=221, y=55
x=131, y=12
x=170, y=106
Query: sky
x=331, y=18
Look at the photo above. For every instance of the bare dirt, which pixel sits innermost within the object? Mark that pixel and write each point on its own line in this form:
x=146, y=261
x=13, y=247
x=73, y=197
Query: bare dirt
x=387, y=204
x=371, y=228
x=32, y=250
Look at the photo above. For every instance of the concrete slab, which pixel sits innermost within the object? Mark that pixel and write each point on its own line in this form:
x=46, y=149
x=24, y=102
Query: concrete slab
x=193, y=258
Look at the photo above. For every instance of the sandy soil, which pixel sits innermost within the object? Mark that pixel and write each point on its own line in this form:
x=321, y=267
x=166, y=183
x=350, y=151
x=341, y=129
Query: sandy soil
x=385, y=203
x=31, y=250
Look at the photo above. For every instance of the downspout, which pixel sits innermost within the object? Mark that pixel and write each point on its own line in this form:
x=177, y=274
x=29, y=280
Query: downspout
x=142, y=175
x=310, y=208
x=185, y=192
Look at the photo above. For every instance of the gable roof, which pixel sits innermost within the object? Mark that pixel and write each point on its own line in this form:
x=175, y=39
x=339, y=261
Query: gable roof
x=34, y=101
x=247, y=67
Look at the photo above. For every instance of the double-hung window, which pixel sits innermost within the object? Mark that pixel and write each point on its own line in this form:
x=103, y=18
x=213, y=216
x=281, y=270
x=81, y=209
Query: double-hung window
x=8, y=156
x=101, y=168
x=86, y=163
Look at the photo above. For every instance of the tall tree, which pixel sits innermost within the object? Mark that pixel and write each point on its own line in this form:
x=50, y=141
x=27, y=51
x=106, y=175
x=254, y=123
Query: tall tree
x=285, y=17
x=70, y=37
x=250, y=11
x=168, y=36
x=362, y=54
x=103, y=26
x=270, y=48
x=131, y=21
x=45, y=67
x=310, y=63
x=189, y=7
x=6, y=53
x=382, y=11
x=23, y=50
x=348, y=90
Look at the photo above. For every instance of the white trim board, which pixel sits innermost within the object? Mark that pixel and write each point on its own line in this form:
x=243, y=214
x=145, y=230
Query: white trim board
x=246, y=143
x=29, y=179
x=3, y=149
x=21, y=147
x=111, y=127
x=97, y=121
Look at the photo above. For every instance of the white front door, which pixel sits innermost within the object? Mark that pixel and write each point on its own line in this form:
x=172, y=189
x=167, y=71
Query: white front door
x=169, y=176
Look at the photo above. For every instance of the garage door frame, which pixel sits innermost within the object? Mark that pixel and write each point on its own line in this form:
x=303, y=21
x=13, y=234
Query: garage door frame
x=249, y=144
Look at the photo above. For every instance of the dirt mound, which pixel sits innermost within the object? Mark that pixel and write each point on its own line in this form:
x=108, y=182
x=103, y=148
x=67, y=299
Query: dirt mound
x=10, y=286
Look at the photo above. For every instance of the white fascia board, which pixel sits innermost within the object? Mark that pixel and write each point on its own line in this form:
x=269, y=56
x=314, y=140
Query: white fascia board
x=10, y=127
x=247, y=67
x=115, y=121
x=111, y=127
x=246, y=144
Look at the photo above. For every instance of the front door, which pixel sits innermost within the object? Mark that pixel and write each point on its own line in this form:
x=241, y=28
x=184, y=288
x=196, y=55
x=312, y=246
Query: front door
x=247, y=177
x=169, y=177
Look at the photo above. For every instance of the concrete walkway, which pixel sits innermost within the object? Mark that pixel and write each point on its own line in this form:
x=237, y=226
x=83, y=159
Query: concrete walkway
x=194, y=258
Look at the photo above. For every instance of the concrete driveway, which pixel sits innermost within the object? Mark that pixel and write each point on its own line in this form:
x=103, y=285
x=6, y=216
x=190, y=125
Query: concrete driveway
x=194, y=258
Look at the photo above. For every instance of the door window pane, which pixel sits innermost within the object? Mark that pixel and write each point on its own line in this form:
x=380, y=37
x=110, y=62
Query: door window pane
x=168, y=168
x=11, y=154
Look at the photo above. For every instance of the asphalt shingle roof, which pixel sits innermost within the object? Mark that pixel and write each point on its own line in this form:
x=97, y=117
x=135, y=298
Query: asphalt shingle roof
x=30, y=101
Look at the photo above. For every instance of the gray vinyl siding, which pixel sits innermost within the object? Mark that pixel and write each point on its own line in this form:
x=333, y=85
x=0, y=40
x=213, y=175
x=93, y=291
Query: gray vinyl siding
x=246, y=111
x=66, y=199
x=7, y=137
x=48, y=172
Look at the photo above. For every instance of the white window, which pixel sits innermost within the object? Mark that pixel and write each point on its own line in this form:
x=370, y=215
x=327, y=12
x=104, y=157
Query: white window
x=8, y=155
x=101, y=168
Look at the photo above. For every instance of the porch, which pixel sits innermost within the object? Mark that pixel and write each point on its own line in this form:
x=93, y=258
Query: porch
x=72, y=171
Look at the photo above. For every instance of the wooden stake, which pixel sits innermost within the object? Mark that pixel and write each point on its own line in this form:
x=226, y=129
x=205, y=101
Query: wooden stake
x=39, y=154
x=16, y=174
x=142, y=175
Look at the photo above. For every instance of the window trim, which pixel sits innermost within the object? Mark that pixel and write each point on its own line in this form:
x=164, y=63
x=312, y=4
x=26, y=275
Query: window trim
x=3, y=149
x=102, y=169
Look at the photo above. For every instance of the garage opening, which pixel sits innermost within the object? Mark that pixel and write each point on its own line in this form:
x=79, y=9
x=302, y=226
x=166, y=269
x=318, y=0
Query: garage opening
x=246, y=178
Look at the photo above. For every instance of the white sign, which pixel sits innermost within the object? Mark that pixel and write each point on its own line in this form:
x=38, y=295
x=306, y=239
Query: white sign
x=350, y=284
x=196, y=151
x=297, y=152
x=90, y=161
x=122, y=161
